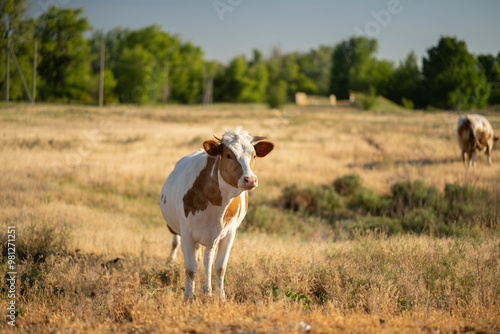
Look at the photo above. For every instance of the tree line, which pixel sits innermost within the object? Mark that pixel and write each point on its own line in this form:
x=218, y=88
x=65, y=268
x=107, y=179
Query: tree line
x=139, y=64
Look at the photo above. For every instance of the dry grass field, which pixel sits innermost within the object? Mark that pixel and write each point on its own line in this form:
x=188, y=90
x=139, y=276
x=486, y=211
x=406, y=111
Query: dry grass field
x=81, y=186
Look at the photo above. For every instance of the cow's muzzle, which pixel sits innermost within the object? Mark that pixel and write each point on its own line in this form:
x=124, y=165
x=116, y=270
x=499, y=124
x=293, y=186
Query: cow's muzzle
x=250, y=182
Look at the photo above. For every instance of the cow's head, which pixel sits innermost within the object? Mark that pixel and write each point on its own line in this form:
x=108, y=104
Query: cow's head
x=237, y=151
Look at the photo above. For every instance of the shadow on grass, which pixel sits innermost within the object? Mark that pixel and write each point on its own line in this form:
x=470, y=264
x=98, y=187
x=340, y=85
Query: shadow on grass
x=399, y=163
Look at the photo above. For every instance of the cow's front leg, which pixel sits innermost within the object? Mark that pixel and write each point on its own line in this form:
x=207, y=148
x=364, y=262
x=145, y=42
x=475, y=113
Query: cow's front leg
x=221, y=262
x=207, y=262
x=488, y=153
x=190, y=265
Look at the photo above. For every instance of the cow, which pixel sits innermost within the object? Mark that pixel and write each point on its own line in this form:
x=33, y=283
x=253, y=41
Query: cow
x=474, y=132
x=205, y=199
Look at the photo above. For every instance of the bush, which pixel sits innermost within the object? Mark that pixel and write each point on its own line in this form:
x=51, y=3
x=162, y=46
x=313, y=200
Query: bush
x=270, y=220
x=368, y=101
x=367, y=201
x=465, y=203
x=407, y=103
x=385, y=224
x=419, y=220
x=412, y=206
x=38, y=242
x=347, y=184
x=458, y=194
x=319, y=200
x=408, y=195
x=276, y=95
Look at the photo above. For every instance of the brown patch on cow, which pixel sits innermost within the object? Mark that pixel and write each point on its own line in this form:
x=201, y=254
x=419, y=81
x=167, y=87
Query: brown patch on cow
x=165, y=201
x=232, y=210
x=231, y=170
x=172, y=231
x=467, y=137
x=205, y=189
x=252, y=160
x=162, y=196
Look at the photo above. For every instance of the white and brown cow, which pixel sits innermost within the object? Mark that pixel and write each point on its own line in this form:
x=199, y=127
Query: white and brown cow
x=474, y=132
x=205, y=199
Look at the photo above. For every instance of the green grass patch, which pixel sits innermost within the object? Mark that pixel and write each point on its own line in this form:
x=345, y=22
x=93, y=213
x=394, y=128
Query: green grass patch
x=411, y=207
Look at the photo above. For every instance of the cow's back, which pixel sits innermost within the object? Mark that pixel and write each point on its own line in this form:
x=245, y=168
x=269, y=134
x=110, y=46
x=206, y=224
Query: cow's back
x=177, y=184
x=480, y=125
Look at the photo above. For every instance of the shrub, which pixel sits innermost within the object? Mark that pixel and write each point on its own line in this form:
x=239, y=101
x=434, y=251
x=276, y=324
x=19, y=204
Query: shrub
x=465, y=203
x=347, y=184
x=419, y=220
x=276, y=95
x=367, y=201
x=296, y=199
x=39, y=242
x=456, y=193
x=275, y=221
x=368, y=101
x=319, y=200
x=407, y=103
x=408, y=195
x=385, y=224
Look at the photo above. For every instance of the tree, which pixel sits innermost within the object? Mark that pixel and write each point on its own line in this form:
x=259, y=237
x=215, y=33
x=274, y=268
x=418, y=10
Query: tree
x=133, y=69
x=351, y=62
x=377, y=75
x=65, y=62
x=286, y=70
x=317, y=66
x=14, y=26
x=406, y=82
x=187, y=74
x=110, y=82
x=146, y=73
x=258, y=77
x=453, y=78
x=243, y=81
x=491, y=68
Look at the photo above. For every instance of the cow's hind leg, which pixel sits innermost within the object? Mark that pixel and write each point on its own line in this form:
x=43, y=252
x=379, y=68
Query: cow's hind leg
x=488, y=153
x=176, y=242
x=188, y=246
x=221, y=262
x=473, y=158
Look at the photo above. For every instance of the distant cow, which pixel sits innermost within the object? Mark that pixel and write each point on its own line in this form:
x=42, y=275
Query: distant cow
x=474, y=132
x=205, y=199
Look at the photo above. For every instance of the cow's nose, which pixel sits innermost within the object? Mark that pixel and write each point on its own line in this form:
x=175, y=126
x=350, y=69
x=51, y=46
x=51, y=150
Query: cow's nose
x=250, y=182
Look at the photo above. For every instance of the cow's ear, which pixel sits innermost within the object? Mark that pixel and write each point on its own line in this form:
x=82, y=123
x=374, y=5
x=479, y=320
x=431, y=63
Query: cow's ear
x=212, y=147
x=495, y=138
x=263, y=148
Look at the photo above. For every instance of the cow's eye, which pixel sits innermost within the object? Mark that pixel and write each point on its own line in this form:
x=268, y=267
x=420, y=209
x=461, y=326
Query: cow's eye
x=228, y=156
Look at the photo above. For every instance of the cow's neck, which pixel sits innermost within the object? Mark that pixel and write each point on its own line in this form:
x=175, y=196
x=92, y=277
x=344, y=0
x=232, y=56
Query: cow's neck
x=228, y=192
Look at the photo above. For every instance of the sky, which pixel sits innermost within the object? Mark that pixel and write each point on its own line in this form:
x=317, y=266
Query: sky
x=228, y=28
